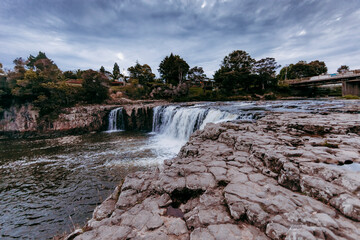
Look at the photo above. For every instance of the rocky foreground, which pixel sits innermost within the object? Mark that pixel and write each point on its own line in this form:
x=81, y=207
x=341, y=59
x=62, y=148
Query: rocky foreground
x=277, y=178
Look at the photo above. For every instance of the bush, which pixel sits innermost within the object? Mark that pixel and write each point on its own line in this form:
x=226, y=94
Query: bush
x=351, y=97
x=95, y=86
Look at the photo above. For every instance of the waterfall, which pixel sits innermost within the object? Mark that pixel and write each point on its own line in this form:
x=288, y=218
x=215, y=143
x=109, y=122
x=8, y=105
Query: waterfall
x=180, y=122
x=116, y=120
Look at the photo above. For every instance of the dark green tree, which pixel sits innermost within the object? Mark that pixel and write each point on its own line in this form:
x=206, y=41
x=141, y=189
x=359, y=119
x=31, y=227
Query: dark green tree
x=235, y=72
x=173, y=69
x=79, y=73
x=143, y=73
x=42, y=85
x=302, y=69
x=102, y=70
x=265, y=69
x=196, y=74
x=4, y=89
x=343, y=69
x=69, y=75
x=239, y=61
x=317, y=68
x=95, y=86
x=116, y=72
x=30, y=63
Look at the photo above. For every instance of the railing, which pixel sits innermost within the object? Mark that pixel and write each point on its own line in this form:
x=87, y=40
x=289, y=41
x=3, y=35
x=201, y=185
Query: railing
x=324, y=77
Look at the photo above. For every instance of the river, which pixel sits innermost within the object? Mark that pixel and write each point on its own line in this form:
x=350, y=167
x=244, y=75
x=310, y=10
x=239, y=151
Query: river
x=49, y=186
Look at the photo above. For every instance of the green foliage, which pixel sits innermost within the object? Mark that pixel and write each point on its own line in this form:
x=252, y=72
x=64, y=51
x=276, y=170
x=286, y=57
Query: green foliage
x=69, y=75
x=235, y=72
x=173, y=69
x=102, y=70
x=56, y=96
x=95, y=86
x=343, y=69
x=142, y=73
x=351, y=97
x=31, y=61
x=199, y=94
x=79, y=73
x=135, y=92
x=317, y=68
x=196, y=74
x=5, y=93
x=302, y=69
x=41, y=82
x=230, y=81
x=116, y=72
x=1, y=68
x=239, y=61
x=240, y=74
x=265, y=68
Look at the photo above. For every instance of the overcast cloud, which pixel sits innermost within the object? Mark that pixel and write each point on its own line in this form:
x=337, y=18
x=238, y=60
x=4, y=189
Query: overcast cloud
x=90, y=33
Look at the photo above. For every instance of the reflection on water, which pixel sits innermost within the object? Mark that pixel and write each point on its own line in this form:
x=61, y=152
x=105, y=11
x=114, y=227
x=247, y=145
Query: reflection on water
x=45, y=185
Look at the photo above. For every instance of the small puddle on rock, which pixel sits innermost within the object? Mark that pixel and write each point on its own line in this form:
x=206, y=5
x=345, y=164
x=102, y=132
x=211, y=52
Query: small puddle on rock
x=174, y=212
x=355, y=167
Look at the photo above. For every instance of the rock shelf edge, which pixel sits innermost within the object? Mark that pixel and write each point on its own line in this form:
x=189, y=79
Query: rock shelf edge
x=276, y=178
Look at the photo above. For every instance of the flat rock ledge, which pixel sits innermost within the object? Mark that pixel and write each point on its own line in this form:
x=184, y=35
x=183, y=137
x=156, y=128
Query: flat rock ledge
x=277, y=178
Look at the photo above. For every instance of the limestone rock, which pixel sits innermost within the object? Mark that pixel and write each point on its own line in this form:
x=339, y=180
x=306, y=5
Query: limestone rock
x=261, y=180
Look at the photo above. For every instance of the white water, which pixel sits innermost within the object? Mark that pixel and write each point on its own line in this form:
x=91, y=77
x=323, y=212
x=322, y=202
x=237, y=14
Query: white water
x=217, y=116
x=116, y=120
x=172, y=127
x=180, y=122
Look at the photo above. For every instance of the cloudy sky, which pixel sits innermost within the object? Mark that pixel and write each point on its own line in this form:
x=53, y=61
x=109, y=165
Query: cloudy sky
x=90, y=33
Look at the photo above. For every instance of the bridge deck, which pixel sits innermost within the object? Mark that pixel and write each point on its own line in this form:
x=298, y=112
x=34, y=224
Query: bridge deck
x=322, y=81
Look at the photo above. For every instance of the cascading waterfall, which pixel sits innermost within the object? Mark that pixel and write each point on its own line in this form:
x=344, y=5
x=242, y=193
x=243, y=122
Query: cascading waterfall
x=116, y=120
x=180, y=122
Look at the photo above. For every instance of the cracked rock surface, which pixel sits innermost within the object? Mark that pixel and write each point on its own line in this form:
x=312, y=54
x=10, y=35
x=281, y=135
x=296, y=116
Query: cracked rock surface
x=277, y=178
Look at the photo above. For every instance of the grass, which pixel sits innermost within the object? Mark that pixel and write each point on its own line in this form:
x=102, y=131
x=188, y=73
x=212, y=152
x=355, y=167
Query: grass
x=351, y=97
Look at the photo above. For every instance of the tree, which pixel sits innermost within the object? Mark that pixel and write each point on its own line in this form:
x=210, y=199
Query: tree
x=30, y=63
x=143, y=73
x=96, y=87
x=239, y=61
x=79, y=73
x=317, y=68
x=4, y=89
x=343, y=69
x=265, y=68
x=173, y=69
x=69, y=75
x=1, y=69
x=102, y=70
x=196, y=74
x=235, y=72
x=116, y=72
x=19, y=65
x=302, y=69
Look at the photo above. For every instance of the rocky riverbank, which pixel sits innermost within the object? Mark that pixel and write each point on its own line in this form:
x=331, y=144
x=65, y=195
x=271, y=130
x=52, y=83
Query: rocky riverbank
x=276, y=178
x=24, y=121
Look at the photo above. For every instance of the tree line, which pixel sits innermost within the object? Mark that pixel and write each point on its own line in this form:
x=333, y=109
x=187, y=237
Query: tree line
x=38, y=80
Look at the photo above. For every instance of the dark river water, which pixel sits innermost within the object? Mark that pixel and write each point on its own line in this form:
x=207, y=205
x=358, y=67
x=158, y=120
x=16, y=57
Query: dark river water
x=49, y=186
